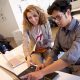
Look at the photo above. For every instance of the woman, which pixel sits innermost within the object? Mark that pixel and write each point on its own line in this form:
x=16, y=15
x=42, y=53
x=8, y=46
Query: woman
x=36, y=32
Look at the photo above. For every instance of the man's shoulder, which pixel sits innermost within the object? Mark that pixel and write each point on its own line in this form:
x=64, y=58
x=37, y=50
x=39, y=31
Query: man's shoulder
x=78, y=26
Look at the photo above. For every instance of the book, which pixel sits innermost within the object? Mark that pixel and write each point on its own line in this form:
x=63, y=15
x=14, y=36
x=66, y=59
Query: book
x=15, y=60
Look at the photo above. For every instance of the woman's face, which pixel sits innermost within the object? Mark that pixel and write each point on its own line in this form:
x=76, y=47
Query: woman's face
x=33, y=17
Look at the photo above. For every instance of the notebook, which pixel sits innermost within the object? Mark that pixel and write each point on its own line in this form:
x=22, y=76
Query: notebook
x=14, y=61
x=30, y=69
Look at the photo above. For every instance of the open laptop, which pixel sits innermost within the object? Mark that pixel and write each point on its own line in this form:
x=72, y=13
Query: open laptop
x=30, y=69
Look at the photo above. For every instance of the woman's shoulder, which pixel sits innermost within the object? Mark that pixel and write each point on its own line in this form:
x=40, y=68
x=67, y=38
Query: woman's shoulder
x=46, y=26
x=47, y=23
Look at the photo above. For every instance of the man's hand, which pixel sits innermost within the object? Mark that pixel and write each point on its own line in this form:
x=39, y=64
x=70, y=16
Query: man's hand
x=40, y=67
x=33, y=76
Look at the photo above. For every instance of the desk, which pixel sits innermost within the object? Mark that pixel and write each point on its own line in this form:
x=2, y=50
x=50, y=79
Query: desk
x=22, y=67
x=17, y=51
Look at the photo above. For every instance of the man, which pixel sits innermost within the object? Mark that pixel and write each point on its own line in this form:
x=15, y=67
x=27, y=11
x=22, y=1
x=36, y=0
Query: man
x=67, y=39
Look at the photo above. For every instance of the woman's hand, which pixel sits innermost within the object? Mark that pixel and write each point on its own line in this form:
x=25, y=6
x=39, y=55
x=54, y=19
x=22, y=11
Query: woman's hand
x=29, y=61
x=33, y=76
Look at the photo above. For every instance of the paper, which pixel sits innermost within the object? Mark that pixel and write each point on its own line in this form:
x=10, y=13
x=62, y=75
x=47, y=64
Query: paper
x=17, y=60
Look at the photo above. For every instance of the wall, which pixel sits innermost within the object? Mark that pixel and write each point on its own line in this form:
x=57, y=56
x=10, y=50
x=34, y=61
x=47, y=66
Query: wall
x=17, y=11
x=7, y=20
x=75, y=5
x=18, y=7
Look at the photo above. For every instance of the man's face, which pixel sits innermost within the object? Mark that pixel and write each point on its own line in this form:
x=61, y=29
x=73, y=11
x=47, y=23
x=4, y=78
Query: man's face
x=60, y=18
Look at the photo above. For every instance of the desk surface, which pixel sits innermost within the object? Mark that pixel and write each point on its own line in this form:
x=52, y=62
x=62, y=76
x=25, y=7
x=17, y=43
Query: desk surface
x=17, y=70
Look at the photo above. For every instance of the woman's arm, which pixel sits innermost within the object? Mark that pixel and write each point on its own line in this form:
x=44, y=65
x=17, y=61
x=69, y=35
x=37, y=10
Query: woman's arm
x=26, y=40
x=28, y=44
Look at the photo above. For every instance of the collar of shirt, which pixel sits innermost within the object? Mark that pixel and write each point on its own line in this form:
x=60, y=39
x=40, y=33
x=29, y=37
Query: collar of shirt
x=71, y=26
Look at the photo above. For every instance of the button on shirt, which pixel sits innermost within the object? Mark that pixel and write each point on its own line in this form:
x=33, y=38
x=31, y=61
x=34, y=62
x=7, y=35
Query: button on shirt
x=68, y=40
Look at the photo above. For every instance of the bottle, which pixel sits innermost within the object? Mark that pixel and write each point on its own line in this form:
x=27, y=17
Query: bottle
x=4, y=48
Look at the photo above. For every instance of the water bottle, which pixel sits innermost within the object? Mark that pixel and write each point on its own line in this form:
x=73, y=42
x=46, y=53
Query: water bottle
x=4, y=48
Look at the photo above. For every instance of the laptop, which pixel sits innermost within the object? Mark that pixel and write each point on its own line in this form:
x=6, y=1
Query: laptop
x=30, y=69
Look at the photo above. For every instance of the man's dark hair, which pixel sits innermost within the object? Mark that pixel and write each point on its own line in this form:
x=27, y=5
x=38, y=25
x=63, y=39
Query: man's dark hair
x=59, y=5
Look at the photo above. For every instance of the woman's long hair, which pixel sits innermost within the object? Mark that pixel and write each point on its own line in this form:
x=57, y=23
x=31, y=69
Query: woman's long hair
x=42, y=17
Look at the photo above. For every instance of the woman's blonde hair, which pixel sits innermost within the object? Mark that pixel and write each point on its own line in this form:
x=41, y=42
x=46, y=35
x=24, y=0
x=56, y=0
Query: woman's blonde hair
x=42, y=17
